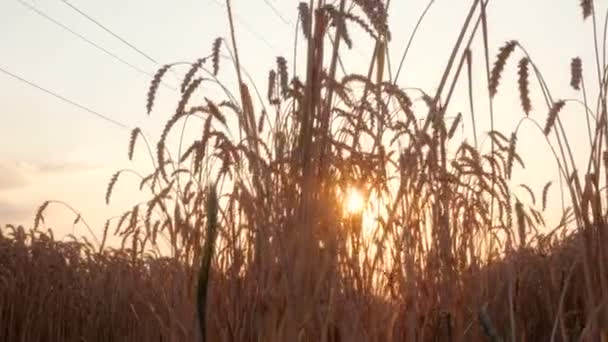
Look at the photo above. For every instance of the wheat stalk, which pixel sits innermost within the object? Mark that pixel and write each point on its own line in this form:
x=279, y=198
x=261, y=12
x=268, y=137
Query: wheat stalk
x=576, y=73
x=304, y=16
x=546, y=194
x=524, y=91
x=511, y=155
x=40, y=214
x=133, y=140
x=215, y=55
x=194, y=67
x=209, y=246
x=283, y=75
x=154, y=86
x=454, y=125
x=553, y=113
x=111, y=185
x=587, y=6
x=499, y=66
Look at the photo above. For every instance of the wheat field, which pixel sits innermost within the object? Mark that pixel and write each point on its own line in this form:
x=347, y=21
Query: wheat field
x=319, y=207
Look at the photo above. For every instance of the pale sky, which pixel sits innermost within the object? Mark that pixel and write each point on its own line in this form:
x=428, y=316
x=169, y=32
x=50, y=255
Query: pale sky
x=52, y=150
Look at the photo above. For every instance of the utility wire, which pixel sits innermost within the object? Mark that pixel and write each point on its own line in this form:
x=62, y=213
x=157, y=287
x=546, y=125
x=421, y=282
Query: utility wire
x=105, y=28
x=85, y=39
x=278, y=14
x=64, y=99
x=289, y=24
x=117, y=36
x=249, y=28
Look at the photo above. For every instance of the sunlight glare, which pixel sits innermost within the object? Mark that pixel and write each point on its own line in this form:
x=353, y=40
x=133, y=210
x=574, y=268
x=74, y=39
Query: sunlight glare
x=354, y=202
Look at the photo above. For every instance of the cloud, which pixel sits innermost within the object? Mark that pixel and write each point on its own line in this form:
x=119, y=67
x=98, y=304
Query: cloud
x=53, y=167
x=12, y=176
x=12, y=213
x=19, y=174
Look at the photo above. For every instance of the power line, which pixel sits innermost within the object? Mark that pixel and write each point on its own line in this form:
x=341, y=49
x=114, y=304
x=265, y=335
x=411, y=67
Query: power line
x=105, y=28
x=85, y=39
x=278, y=14
x=249, y=28
x=64, y=99
x=289, y=23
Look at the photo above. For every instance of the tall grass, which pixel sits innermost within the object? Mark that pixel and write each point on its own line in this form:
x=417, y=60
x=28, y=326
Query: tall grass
x=447, y=249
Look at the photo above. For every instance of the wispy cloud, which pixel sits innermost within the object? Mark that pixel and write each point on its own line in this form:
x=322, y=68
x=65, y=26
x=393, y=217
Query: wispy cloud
x=19, y=174
x=52, y=167
x=13, y=213
x=12, y=176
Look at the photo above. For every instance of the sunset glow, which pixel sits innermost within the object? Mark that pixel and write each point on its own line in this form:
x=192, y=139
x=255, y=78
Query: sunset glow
x=354, y=203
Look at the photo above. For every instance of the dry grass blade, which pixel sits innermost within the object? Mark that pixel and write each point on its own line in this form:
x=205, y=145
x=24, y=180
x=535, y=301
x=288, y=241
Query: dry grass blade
x=487, y=326
x=576, y=73
x=104, y=236
x=454, y=125
x=553, y=113
x=154, y=86
x=529, y=191
x=524, y=85
x=499, y=66
x=521, y=223
x=261, y=122
x=203, y=276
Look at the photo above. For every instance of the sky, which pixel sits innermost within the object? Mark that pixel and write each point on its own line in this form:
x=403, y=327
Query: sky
x=52, y=150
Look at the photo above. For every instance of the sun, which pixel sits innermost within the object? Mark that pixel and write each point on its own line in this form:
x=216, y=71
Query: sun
x=354, y=203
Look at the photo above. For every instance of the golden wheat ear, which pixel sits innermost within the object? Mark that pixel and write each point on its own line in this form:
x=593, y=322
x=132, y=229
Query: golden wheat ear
x=511, y=155
x=499, y=66
x=272, y=80
x=524, y=85
x=40, y=214
x=576, y=73
x=154, y=84
x=553, y=112
x=133, y=140
x=194, y=67
x=587, y=6
x=546, y=194
x=215, y=55
x=110, y=187
x=304, y=17
x=283, y=76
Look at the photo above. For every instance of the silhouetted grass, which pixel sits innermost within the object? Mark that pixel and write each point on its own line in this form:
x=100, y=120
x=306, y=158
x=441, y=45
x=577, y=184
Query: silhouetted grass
x=447, y=249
